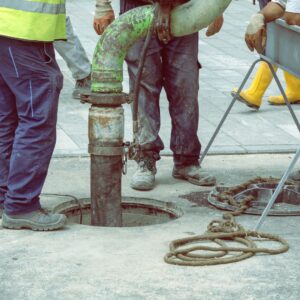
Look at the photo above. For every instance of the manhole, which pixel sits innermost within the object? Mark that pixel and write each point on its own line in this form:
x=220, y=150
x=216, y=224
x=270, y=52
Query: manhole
x=286, y=204
x=135, y=211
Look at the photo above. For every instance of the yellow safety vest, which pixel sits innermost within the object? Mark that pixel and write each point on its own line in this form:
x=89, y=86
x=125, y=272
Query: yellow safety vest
x=33, y=20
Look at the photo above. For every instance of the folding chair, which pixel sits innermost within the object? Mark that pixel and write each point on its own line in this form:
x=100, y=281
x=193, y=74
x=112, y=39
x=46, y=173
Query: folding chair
x=282, y=51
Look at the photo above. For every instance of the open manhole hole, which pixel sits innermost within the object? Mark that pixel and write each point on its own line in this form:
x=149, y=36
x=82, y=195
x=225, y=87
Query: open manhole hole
x=135, y=211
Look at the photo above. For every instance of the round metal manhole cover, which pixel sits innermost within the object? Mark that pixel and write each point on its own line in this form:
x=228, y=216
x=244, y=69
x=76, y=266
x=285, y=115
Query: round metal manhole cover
x=135, y=211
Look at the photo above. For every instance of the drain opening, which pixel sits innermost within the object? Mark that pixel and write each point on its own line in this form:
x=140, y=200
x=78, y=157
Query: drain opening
x=135, y=211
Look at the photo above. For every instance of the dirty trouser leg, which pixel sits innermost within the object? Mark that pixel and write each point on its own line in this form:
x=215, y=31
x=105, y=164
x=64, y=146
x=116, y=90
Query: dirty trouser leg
x=74, y=54
x=181, y=82
x=31, y=74
x=150, y=88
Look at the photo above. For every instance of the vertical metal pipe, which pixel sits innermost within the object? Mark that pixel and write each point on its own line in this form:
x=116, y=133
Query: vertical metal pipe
x=106, y=172
x=106, y=133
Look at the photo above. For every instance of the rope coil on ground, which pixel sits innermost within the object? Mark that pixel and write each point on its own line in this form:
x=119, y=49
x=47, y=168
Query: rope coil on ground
x=186, y=252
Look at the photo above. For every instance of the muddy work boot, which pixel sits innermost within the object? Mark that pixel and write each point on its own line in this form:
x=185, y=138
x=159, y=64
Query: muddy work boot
x=38, y=220
x=82, y=86
x=144, y=177
x=194, y=175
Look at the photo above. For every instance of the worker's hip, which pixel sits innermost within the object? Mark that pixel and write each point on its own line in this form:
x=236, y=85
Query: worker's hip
x=28, y=60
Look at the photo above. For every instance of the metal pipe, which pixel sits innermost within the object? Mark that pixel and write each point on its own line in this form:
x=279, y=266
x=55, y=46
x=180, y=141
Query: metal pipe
x=106, y=133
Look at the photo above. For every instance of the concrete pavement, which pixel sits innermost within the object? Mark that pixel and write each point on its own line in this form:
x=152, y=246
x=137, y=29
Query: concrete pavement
x=84, y=262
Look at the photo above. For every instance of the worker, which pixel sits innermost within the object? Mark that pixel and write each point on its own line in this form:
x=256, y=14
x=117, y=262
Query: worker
x=76, y=59
x=172, y=64
x=252, y=96
x=290, y=11
x=30, y=84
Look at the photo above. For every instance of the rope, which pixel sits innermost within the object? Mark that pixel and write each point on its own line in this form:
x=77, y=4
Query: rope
x=221, y=232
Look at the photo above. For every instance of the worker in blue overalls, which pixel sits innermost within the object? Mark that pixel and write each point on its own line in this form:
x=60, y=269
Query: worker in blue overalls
x=30, y=84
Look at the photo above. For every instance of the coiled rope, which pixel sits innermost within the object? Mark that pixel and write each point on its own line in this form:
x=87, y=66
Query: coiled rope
x=189, y=251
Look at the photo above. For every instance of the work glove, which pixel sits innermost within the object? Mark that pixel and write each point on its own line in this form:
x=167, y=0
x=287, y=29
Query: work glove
x=255, y=36
x=215, y=26
x=104, y=15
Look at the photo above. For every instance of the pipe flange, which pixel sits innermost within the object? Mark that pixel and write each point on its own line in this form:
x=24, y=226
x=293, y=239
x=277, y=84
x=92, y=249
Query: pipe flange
x=101, y=99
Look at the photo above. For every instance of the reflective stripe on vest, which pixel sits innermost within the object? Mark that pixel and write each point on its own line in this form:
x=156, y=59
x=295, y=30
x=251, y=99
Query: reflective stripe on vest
x=44, y=7
x=33, y=20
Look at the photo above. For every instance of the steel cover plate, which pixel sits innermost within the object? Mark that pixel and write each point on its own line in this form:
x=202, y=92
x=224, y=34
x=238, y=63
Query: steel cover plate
x=286, y=204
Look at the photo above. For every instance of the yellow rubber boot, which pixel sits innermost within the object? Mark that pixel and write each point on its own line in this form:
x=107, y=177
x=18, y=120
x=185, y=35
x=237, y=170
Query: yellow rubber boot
x=292, y=91
x=253, y=95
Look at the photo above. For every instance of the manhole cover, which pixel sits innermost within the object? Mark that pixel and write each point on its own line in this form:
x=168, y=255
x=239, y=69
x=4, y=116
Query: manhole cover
x=286, y=204
x=135, y=211
x=198, y=198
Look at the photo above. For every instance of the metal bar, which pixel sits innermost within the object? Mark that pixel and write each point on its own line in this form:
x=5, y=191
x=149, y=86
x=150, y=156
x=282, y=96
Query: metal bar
x=278, y=190
x=284, y=95
x=228, y=111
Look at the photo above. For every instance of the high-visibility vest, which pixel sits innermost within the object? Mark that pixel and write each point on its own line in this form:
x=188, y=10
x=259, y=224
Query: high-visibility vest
x=33, y=20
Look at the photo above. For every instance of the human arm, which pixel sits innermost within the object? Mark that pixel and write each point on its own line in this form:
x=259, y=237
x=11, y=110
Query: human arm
x=292, y=12
x=292, y=18
x=104, y=15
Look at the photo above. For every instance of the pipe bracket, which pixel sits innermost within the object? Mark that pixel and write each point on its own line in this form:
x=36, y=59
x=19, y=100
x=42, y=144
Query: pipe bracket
x=105, y=151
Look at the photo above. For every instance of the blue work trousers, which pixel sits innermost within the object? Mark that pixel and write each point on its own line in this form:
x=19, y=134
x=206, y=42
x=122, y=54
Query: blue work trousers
x=30, y=84
x=175, y=68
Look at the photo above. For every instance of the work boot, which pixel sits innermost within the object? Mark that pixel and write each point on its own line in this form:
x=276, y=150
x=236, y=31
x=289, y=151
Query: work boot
x=292, y=91
x=38, y=220
x=82, y=86
x=252, y=96
x=144, y=177
x=194, y=175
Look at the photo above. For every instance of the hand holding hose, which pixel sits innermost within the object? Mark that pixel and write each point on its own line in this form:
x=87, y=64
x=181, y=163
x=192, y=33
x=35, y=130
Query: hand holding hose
x=215, y=26
x=104, y=15
x=101, y=23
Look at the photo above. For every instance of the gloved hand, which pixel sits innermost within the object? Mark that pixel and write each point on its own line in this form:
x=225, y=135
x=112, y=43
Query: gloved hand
x=255, y=36
x=215, y=26
x=104, y=15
